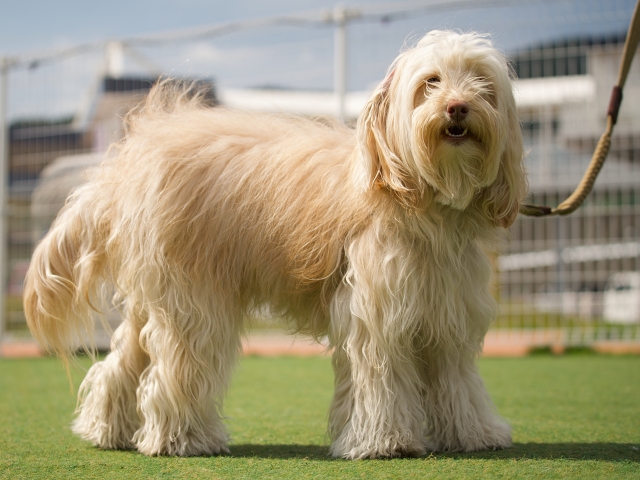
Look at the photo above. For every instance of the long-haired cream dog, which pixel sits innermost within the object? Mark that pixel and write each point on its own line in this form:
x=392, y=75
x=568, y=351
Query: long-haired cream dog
x=375, y=238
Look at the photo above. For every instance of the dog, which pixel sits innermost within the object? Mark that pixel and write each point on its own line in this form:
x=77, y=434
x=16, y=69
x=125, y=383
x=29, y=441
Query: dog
x=375, y=237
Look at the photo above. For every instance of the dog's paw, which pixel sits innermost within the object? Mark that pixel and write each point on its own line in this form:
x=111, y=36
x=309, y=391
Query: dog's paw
x=182, y=447
x=104, y=435
x=497, y=436
x=153, y=440
x=373, y=453
x=384, y=448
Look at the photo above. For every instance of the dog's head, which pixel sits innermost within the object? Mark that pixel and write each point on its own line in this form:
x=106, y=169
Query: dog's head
x=443, y=124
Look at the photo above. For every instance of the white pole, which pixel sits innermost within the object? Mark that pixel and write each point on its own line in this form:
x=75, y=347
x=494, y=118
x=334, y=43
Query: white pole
x=4, y=174
x=115, y=59
x=340, y=59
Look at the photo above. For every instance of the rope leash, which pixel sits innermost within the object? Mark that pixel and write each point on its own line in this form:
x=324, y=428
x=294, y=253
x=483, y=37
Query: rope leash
x=602, y=148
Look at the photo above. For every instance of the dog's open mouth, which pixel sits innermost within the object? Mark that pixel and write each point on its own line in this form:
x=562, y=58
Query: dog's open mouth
x=456, y=132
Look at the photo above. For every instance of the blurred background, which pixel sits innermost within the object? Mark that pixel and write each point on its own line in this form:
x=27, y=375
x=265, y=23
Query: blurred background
x=70, y=70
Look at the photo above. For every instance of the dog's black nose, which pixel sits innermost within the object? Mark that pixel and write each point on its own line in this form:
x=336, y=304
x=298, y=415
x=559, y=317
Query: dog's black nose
x=457, y=110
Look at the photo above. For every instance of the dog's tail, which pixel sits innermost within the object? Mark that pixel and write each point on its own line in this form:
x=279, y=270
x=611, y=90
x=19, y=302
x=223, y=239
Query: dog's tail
x=63, y=284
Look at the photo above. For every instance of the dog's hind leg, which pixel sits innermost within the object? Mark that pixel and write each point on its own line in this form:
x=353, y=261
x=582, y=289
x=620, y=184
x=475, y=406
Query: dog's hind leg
x=192, y=353
x=107, y=396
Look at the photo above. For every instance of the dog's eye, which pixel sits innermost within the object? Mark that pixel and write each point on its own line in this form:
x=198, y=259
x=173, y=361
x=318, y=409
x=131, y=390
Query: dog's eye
x=424, y=90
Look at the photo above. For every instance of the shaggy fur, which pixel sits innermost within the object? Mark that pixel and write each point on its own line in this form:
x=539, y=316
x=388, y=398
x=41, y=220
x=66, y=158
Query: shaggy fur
x=375, y=238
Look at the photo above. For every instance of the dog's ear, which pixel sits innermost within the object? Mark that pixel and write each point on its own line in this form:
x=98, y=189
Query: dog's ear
x=501, y=200
x=381, y=165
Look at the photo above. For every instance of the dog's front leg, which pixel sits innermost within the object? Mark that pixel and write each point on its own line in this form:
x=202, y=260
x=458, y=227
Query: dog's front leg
x=376, y=410
x=460, y=414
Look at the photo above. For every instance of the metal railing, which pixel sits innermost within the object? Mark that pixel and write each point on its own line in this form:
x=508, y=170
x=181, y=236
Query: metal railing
x=560, y=280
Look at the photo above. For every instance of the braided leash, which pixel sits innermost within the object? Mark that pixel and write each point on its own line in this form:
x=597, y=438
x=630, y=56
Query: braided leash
x=602, y=149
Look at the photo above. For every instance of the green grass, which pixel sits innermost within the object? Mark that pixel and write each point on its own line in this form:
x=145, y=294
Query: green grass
x=574, y=416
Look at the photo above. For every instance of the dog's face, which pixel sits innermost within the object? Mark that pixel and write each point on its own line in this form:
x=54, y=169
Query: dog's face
x=444, y=123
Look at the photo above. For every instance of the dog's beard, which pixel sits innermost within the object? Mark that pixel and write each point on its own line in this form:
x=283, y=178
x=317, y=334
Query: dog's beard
x=459, y=159
x=460, y=173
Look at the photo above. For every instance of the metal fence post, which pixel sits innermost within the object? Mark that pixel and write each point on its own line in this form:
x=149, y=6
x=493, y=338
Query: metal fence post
x=340, y=59
x=4, y=175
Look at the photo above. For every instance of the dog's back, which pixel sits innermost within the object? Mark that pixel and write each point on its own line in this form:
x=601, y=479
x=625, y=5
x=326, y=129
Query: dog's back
x=167, y=205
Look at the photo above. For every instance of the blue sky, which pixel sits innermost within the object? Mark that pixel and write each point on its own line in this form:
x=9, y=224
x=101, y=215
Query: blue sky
x=28, y=25
x=295, y=57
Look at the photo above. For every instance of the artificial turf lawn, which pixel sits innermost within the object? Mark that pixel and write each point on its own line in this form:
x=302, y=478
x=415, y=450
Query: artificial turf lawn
x=574, y=416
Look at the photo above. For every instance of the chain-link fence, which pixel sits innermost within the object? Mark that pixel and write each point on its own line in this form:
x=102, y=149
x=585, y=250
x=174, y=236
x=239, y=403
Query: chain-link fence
x=562, y=280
